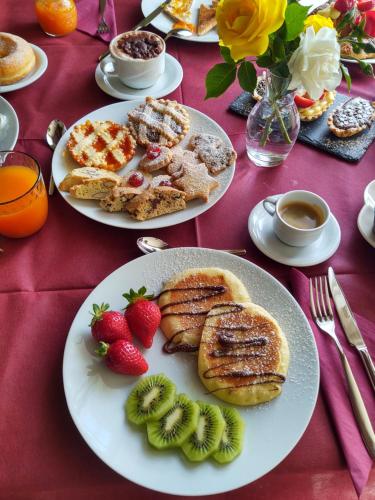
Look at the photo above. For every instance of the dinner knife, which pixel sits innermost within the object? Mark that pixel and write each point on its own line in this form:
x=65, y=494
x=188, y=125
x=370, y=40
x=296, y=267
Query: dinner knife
x=349, y=325
x=142, y=24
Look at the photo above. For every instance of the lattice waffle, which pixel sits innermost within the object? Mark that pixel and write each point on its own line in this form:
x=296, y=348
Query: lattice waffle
x=159, y=121
x=101, y=144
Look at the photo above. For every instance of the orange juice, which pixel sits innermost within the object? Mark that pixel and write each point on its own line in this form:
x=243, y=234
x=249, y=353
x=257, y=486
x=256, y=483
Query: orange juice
x=23, y=201
x=56, y=17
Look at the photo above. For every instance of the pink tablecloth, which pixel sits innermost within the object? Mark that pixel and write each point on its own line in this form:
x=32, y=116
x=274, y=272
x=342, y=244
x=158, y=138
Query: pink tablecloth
x=44, y=279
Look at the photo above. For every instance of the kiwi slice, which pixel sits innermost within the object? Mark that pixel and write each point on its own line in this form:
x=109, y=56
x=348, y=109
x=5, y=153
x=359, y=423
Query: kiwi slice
x=150, y=399
x=175, y=426
x=232, y=438
x=207, y=435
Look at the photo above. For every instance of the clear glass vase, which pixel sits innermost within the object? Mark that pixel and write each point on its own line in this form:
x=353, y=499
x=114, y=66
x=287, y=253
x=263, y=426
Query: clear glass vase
x=273, y=124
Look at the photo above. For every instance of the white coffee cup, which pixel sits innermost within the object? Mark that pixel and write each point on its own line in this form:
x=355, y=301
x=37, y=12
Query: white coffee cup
x=287, y=233
x=135, y=73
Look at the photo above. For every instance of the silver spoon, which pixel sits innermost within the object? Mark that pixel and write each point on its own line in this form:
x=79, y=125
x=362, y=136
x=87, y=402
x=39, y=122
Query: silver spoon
x=56, y=129
x=182, y=32
x=150, y=244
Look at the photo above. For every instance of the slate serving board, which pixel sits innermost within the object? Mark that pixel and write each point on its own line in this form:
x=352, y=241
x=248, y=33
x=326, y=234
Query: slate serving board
x=317, y=133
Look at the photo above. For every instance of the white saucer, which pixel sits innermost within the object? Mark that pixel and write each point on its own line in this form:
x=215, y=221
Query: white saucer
x=8, y=126
x=39, y=68
x=369, y=194
x=261, y=232
x=365, y=223
x=167, y=83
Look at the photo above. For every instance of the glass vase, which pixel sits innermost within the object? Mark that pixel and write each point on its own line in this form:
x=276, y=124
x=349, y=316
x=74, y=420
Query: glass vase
x=273, y=124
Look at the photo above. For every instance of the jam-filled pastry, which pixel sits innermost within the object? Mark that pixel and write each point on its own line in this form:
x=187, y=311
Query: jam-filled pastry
x=352, y=117
x=186, y=299
x=161, y=121
x=213, y=152
x=156, y=157
x=101, y=144
x=243, y=355
x=162, y=180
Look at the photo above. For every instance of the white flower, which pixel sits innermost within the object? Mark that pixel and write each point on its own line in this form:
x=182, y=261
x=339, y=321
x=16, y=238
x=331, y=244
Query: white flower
x=315, y=65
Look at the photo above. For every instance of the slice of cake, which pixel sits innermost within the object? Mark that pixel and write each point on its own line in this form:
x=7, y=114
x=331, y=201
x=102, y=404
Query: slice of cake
x=156, y=201
x=80, y=175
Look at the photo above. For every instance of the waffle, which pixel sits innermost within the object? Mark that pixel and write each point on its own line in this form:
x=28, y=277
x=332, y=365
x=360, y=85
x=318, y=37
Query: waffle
x=160, y=121
x=101, y=144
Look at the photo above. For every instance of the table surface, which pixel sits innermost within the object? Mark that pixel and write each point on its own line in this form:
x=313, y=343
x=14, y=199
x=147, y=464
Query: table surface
x=45, y=278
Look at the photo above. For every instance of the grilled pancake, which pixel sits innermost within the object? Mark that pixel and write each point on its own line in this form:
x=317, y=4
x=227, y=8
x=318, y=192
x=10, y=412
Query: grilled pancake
x=243, y=355
x=186, y=299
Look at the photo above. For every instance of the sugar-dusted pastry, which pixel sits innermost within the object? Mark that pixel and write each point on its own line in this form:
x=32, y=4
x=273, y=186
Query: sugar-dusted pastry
x=260, y=88
x=213, y=152
x=206, y=18
x=179, y=158
x=186, y=299
x=352, y=117
x=159, y=121
x=195, y=181
x=155, y=158
x=84, y=174
x=17, y=58
x=101, y=144
x=348, y=52
x=156, y=201
x=243, y=355
x=162, y=180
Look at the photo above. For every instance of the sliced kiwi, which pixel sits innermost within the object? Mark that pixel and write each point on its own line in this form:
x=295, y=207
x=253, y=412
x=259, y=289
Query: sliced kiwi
x=150, y=399
x=207, y=435
x=175, y=426
x=232, y=438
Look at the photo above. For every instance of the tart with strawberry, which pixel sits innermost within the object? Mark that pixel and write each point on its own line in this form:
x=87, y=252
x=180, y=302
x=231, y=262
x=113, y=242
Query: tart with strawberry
x=309, y=109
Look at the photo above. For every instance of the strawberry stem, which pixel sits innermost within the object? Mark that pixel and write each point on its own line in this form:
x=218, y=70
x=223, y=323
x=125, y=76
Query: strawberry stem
x=133, y=296
x=102, y=349
x=98, y=312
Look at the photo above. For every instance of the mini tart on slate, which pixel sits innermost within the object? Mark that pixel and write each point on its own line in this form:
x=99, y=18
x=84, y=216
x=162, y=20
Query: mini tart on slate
x=260, y=88
x=352, y=117
x=315, y=110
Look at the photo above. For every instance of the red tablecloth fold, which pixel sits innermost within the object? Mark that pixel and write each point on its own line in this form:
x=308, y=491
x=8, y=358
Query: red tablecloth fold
x=89, y=17
x=334, y=385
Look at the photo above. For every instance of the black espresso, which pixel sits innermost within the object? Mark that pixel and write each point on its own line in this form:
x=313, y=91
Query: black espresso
x=302, y=215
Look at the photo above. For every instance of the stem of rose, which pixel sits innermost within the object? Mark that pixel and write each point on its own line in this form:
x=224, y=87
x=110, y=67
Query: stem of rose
x=266, y=131
x=282, y=124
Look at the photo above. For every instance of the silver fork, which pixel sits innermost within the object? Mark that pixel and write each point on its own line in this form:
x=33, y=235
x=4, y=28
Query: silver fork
x=322, y=314
x=103, y=26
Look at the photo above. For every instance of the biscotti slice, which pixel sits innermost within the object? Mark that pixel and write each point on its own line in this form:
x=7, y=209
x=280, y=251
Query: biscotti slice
x=118, y=197
x=93, y=189
x=156, y=201
x=79, y=175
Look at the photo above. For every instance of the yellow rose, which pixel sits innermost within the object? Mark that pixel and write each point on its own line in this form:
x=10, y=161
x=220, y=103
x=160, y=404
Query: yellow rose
x=244, y=25
x=318, y=21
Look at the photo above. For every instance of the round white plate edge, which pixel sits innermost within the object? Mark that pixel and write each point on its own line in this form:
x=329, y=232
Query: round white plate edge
x=16, y=122
x=354, y=61
x=157, y=222
x=315, y=388
x=109, y=90
x=287, y=261
x=359, y=225
x=28, y=80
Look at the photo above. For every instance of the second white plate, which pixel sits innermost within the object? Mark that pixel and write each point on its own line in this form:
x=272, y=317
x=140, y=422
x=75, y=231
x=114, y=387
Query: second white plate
x=9, y=126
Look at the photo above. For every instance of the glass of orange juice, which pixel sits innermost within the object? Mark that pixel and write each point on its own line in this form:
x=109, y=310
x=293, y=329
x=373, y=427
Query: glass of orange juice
x=56, y=17
x=23, y=196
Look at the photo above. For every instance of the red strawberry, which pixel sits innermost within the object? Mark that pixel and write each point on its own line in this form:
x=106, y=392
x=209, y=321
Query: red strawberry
x=365, y=5
x=108, y=326
x=136, y=179
x=344, y=5
x=123, y=357
x=143, y=315
x=303, y=102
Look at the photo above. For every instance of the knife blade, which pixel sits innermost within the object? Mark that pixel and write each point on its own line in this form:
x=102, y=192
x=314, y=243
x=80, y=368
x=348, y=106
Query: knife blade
x=151, y=16
x=349, y=325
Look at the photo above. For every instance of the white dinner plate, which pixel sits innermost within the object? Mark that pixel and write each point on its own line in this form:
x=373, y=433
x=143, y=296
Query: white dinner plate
x=164, y=23
x=365, y=223
x=354, y=61
x=63, y=163
x=260, y=226
x=96, y=396
x=9, y=126
x=38, y=70
x=167, y=83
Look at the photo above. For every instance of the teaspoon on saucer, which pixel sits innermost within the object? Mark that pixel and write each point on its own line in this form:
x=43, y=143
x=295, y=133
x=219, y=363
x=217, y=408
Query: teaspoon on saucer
x=56, y=129
x=150, y=244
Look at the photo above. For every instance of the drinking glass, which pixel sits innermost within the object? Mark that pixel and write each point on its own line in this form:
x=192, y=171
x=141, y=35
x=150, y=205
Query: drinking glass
x=56, y=17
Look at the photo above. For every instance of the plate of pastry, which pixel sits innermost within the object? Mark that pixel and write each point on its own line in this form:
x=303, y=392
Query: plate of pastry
x=143, y=164
x=21, y=64
x=232, y=340
x=9, y=126
x=197, y=16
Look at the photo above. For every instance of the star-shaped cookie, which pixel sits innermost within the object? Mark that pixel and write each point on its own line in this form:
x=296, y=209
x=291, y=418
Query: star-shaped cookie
x=181, y=157
x=196, y=182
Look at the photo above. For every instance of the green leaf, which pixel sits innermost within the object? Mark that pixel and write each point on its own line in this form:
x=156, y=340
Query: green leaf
x=295, y=16
x=264, y=61
x=247, y=76
x=347, y=19
x=219, y=78
x=346, y=75
x=368, y=47
x=225, y=54
x=366, y=68
x=278, y=49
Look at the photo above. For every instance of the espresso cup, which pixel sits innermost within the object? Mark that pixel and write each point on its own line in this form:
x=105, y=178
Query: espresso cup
x=295, y=235
x=137, y=73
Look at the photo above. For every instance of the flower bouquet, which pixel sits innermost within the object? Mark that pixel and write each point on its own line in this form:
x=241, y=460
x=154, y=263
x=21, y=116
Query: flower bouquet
x=301, y=54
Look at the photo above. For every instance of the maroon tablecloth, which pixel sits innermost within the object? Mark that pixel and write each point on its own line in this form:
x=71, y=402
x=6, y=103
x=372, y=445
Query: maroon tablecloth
x=45, y=278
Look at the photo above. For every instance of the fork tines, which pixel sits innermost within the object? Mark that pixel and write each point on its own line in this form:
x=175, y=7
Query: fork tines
x=321, y=302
